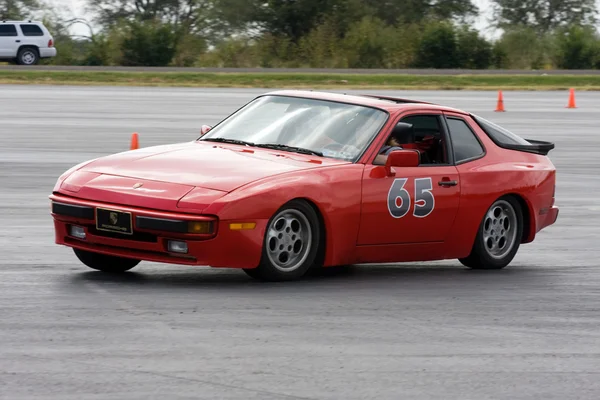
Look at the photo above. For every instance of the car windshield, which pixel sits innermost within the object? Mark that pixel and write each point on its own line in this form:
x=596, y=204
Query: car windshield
x=324, y=128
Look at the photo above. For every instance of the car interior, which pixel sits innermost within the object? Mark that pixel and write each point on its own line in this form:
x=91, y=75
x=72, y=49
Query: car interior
x=425, y=136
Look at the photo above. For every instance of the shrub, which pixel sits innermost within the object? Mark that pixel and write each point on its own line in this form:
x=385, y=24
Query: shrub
x=438, y=48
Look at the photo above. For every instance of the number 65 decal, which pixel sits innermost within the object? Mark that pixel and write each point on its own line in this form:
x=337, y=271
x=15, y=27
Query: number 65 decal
x=423, y=198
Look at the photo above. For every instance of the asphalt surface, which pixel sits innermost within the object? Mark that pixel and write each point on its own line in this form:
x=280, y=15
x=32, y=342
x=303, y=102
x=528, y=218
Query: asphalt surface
x=413, y=331
x=361, y=71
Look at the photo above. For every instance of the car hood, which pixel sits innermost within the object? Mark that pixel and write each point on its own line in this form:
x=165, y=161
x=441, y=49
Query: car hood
x=214, y=166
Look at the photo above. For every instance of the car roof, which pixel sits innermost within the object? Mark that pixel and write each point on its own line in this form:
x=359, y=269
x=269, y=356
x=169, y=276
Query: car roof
x=25, y=21
x=388, y=103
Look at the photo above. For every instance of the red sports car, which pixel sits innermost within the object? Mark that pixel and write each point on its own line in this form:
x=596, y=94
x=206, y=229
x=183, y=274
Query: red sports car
x=300, y=180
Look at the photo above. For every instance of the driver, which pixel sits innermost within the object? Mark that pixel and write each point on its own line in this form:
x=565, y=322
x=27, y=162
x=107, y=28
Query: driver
x=391, y=145
x=402, y=133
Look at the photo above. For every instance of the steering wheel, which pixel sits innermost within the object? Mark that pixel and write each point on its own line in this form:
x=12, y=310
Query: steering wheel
x=340, y=148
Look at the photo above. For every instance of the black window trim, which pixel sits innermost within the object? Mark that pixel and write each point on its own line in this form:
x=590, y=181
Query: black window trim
x=466, y=160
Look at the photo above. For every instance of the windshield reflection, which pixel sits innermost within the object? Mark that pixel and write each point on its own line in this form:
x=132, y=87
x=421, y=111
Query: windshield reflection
x=332, y=129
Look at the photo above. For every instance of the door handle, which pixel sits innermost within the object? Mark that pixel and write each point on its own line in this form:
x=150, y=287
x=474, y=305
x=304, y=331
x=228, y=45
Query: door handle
x=447, y=183
x=18, y=41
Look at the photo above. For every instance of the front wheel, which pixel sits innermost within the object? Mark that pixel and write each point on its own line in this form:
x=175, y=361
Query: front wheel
x=291, y=243
x=499, y=236
x=105, y=263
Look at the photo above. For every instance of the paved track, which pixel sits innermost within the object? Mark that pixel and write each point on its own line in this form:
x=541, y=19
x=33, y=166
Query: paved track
x=422, y=331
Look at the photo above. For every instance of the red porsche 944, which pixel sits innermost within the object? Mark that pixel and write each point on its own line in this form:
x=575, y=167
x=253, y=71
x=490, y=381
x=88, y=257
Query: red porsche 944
x=299, y=180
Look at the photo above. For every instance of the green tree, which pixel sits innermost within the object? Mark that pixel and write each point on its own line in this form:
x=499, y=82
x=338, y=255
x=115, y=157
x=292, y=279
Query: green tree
x=417, y=11
x=543, y=15
x=438, y=47
x=474, y=51
x=293, y=18
x=296, y=18
x=367, y=43
x=17, y=9
x=184, y=16
x=576, y=47
x=523, y=48
x=148, y=43
x=322, y=47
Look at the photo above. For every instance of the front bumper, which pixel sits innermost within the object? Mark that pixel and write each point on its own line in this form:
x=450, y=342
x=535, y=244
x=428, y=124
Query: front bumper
x=225, y=246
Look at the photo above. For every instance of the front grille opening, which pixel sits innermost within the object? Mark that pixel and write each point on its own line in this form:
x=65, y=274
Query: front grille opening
x=137, y=236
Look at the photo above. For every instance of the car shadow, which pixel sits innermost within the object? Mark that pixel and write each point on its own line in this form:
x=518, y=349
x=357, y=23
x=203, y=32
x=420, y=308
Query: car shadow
x=407, y=275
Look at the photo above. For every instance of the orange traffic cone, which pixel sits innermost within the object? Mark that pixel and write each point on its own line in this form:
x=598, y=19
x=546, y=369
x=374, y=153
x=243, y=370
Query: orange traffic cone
x=500, y=106
x=571, y=99
x=134, y=141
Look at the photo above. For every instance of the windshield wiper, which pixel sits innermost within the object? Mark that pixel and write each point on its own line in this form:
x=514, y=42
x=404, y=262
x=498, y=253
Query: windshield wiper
x=232, y=141
x=290, y=148
x=275, y=146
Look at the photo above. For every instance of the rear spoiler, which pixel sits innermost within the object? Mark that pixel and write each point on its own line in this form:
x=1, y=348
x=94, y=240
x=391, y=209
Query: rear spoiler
x=537, y=147
x=396, y=99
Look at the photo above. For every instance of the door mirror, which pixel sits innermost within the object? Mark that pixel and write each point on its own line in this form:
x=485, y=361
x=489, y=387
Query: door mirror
x=402, y=159
x=204, y=130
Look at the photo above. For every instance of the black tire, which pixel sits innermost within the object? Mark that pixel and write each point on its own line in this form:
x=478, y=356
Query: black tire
x=253, y=273
x=105, y=263
x=506, y=233
x=291, y=253
x=28, y=56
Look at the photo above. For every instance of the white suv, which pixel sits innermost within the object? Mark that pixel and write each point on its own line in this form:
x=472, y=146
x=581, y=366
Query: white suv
x=25, y=42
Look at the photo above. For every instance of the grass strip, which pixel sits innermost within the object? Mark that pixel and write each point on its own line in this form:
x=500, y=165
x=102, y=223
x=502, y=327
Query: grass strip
x=304, y=80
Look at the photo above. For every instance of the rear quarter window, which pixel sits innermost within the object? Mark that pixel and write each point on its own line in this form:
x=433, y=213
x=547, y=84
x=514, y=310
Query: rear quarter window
x=464, y=141
x=498, y=134
x=8, y=30
x=31, y=30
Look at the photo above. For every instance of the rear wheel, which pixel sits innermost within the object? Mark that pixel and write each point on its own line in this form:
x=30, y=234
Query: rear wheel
x=499, y=236
x=106, y=263
x=28, y=56
x=290, y=245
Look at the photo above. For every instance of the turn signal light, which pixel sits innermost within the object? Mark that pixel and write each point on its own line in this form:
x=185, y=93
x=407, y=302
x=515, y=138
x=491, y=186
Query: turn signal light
x=202, y=227
x=242, y=226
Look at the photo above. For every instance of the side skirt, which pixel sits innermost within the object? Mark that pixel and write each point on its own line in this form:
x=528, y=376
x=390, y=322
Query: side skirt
x=401, y=253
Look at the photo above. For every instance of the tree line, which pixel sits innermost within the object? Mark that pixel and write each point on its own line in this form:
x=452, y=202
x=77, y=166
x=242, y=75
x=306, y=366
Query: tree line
x=536, y=34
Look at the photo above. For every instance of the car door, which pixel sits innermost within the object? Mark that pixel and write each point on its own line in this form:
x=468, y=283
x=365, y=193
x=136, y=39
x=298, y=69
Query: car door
x=8, y=40
x=417, y=204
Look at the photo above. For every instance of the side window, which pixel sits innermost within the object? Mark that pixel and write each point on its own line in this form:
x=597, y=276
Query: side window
x=31, y=30
x=8, y=30
x=424, y=125
x=424, y=133
x=465, y=143
x=428, y=138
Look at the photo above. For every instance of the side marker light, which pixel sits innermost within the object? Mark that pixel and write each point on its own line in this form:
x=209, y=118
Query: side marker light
x=242, y=226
